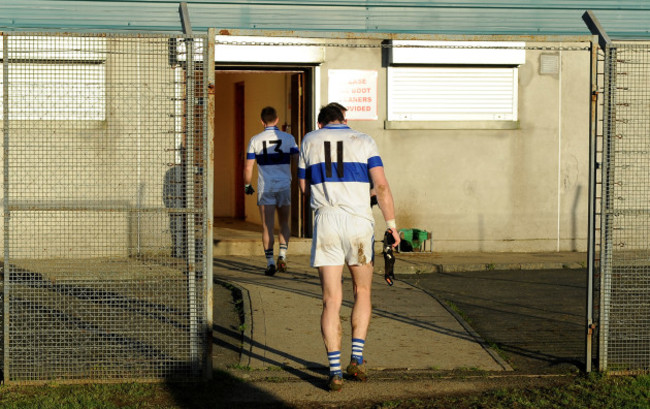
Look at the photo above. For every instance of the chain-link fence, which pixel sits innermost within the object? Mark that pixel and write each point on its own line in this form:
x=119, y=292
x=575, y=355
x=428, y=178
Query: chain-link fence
x=105, y=198
x=623, y=285
x=104, y=204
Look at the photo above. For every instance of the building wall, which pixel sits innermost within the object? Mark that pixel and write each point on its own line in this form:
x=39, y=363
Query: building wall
x=523, y=189
x=80, y=184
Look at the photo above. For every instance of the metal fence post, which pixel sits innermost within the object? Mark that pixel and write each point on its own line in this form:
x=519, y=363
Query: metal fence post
x=189, y=194
x=5, y=128
x=209, y=171
x=591, y=238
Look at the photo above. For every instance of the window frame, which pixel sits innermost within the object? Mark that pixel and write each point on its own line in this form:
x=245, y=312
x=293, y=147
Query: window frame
x=468, y=73
x=76, y=81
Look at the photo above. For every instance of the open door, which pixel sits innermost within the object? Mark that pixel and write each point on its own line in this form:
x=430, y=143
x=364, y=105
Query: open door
x=297, y=130
x=240, y=150
x=240, y=94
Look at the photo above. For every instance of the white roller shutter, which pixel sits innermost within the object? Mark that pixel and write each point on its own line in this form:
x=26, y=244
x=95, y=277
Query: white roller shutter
x=452, y=93
x=55, y=78
x=50, y=92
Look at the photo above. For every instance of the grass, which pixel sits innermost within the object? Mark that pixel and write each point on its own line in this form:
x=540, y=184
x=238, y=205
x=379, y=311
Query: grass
x=240, y=367
x=101, y=396
x=238, y=301
x=458, y=311
x=211, y=394
x=594, y=391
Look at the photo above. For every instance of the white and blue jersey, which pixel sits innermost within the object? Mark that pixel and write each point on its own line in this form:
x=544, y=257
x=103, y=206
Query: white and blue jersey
x=335, y=162
x=272, y=149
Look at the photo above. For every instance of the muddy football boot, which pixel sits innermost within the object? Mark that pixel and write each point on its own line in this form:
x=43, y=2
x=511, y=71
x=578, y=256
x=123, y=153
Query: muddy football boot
x=335, y=383
x=282, y=265
x=357, y=371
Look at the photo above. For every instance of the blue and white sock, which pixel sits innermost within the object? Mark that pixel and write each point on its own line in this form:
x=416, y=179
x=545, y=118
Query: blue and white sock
x=334, y=359
x=357, y=350
x=269, y=257
x=283, y=251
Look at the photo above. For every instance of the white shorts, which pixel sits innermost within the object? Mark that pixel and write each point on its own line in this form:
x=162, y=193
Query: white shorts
x=341, y=238
x=279, y=199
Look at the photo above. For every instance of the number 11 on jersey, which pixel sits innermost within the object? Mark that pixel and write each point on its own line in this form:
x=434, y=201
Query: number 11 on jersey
x=339, y=159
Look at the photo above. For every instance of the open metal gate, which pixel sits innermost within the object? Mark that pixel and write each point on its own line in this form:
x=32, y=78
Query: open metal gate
x=104, y=207
x=622, y=215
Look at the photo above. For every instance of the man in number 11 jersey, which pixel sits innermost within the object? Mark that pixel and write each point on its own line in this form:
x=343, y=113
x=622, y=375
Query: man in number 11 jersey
x=337, y=164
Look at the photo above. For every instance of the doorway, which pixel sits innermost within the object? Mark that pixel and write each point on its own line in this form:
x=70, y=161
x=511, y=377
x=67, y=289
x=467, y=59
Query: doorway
x=240, y=95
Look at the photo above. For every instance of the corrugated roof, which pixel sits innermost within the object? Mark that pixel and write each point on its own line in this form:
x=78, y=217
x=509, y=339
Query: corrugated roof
x=620, y=18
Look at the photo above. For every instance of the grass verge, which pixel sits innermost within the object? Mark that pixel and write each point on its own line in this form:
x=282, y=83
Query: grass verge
x=593, y=391
x=585, y=392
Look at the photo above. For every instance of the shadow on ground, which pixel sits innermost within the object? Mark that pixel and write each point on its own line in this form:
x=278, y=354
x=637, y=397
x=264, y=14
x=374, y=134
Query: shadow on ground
x=536, y=319
x=223, y=391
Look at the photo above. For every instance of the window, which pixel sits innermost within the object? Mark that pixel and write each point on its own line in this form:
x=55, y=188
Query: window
x=55, y=78
x=453, y=81
x=452, y=94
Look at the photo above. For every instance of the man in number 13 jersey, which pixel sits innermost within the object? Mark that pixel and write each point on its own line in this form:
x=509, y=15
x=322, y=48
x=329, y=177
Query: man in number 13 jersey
x=273, y=151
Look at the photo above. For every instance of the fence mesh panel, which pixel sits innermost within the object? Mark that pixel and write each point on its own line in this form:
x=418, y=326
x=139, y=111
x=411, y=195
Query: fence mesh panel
x=104, y=206
x=625, y=279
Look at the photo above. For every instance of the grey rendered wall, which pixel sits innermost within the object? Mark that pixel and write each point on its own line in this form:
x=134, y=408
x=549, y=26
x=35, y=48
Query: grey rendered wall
x=522, y=190
x=115, y=165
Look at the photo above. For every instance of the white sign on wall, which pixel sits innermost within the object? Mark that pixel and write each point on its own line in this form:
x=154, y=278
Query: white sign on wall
x=356, y=90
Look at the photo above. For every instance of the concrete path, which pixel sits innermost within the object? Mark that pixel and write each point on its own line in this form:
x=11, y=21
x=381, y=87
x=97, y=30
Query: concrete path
x=410, y=329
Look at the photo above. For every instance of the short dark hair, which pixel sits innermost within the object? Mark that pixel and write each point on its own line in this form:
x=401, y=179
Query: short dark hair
x=330, y=113
x=338, y=106
x=268, y=115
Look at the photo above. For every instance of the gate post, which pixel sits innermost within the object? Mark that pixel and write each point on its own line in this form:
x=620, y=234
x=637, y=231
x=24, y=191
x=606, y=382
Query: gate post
x=600, y=39
x=591, y=234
